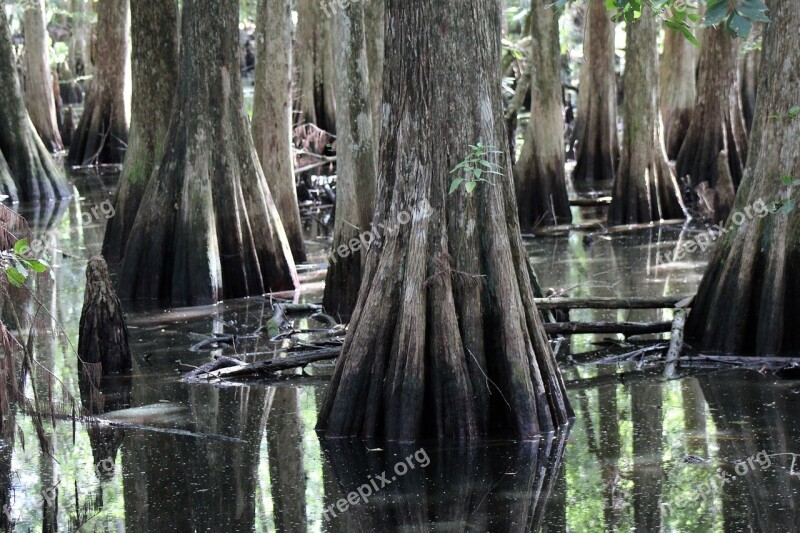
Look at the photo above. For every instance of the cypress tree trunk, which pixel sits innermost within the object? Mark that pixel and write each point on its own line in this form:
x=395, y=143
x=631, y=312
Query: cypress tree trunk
x=39, y=82
x=102, y=133
x=80, y=60
x=539, y=174
x=207, y=227
x=678, y=89
x=717, y=120
x=355, y=164
x=748, y=76
x=596, y=121
x=749, y=298
x=154, y=35
x=374, y=15
x=272, y=114
x=315, y=73
x=445, y=339
x=644, y=189
x=27, y=172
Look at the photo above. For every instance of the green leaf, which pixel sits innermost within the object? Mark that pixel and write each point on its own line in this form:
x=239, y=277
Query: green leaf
x=794, y=112
x=459, y=167
x=456, y=183
x=21, y=247
x=477, y=173
x=716, y=12
x=752, y=13
x=34, y=265
x=739, y=25
x=15, y=277
x=787, y=180
x=470, y=186
x=787, y=207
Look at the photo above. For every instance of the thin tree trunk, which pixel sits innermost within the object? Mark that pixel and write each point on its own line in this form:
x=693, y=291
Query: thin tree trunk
x=315, y=73
x=749, y=298
x=102, y=133
x=717, y=120
x=355, y=163
x=325, y=75
x=27, y=172
x=645, y=189
x=304, y=62
x=39, y=82
x=207, y=227
x=272, y=114
x=749, y=64
x=154, y=33
x=80, y=60
x=596, y=122
x=539, y=174
x=678, y=88
x=445, y=339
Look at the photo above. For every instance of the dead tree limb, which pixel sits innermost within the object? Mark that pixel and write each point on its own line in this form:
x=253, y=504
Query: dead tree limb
x=626, y=328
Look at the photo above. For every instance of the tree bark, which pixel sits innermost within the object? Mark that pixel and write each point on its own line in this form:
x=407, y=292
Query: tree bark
x=207, y=228
x=272, y=114
x=39, y=82
x=596, y=122
x=445, y=339
x=154, y=35
x=315, y=73
x=374, y=15
x=645, y=190
x=678, y=88
x=355, y=161
x=539, y=174
x=27, y=172
x=102, y=133
x=80, y=59
x=717, y=121
x=748, y=299
x=749, y=64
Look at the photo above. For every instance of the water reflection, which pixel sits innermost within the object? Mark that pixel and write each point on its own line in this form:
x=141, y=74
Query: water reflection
x=245, y=457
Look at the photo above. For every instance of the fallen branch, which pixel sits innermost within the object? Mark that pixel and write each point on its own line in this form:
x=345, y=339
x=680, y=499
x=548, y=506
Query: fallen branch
x=275, y=365
x=609, y=303
x=602, y=201
x=626, y=328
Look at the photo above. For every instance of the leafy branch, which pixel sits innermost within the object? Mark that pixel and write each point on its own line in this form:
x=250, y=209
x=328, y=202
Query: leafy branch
x=17, y=266
x=475, y=168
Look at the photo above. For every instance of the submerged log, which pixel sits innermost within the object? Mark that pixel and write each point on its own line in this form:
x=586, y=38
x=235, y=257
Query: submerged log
x=103, y=336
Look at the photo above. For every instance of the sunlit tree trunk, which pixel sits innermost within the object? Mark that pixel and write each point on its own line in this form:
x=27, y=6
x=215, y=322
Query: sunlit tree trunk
x=315, y=68
x=596, y=121
x=749, y=63
x=445, y=339
x=374, y=15
x=102, y=133
x=645, y=189
x=272, y=114
x=356, y=162
x=207, y=227
x=539, y=174
x=749, y=296
x=27, y=172
x=39, y=82
x=717, y=121
x=154, y=34
x=80, y=59
x=678, y=88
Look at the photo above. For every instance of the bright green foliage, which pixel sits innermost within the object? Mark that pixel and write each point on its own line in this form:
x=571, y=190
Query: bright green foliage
x=17, y=267
x=474, y=168
x=737, y=16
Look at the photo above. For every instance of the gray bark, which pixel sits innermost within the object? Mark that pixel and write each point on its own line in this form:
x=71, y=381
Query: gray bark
x=272, y=114
x=678, y=88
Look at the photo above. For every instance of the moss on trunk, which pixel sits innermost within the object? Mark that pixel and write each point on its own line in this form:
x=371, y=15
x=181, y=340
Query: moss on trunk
x=154, y=34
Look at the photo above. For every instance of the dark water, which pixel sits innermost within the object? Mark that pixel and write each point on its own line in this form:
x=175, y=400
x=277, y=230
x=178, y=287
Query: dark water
x=641, y=454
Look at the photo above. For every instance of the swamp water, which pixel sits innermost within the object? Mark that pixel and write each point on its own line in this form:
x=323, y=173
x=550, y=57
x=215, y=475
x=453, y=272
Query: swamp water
x=712, y=451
